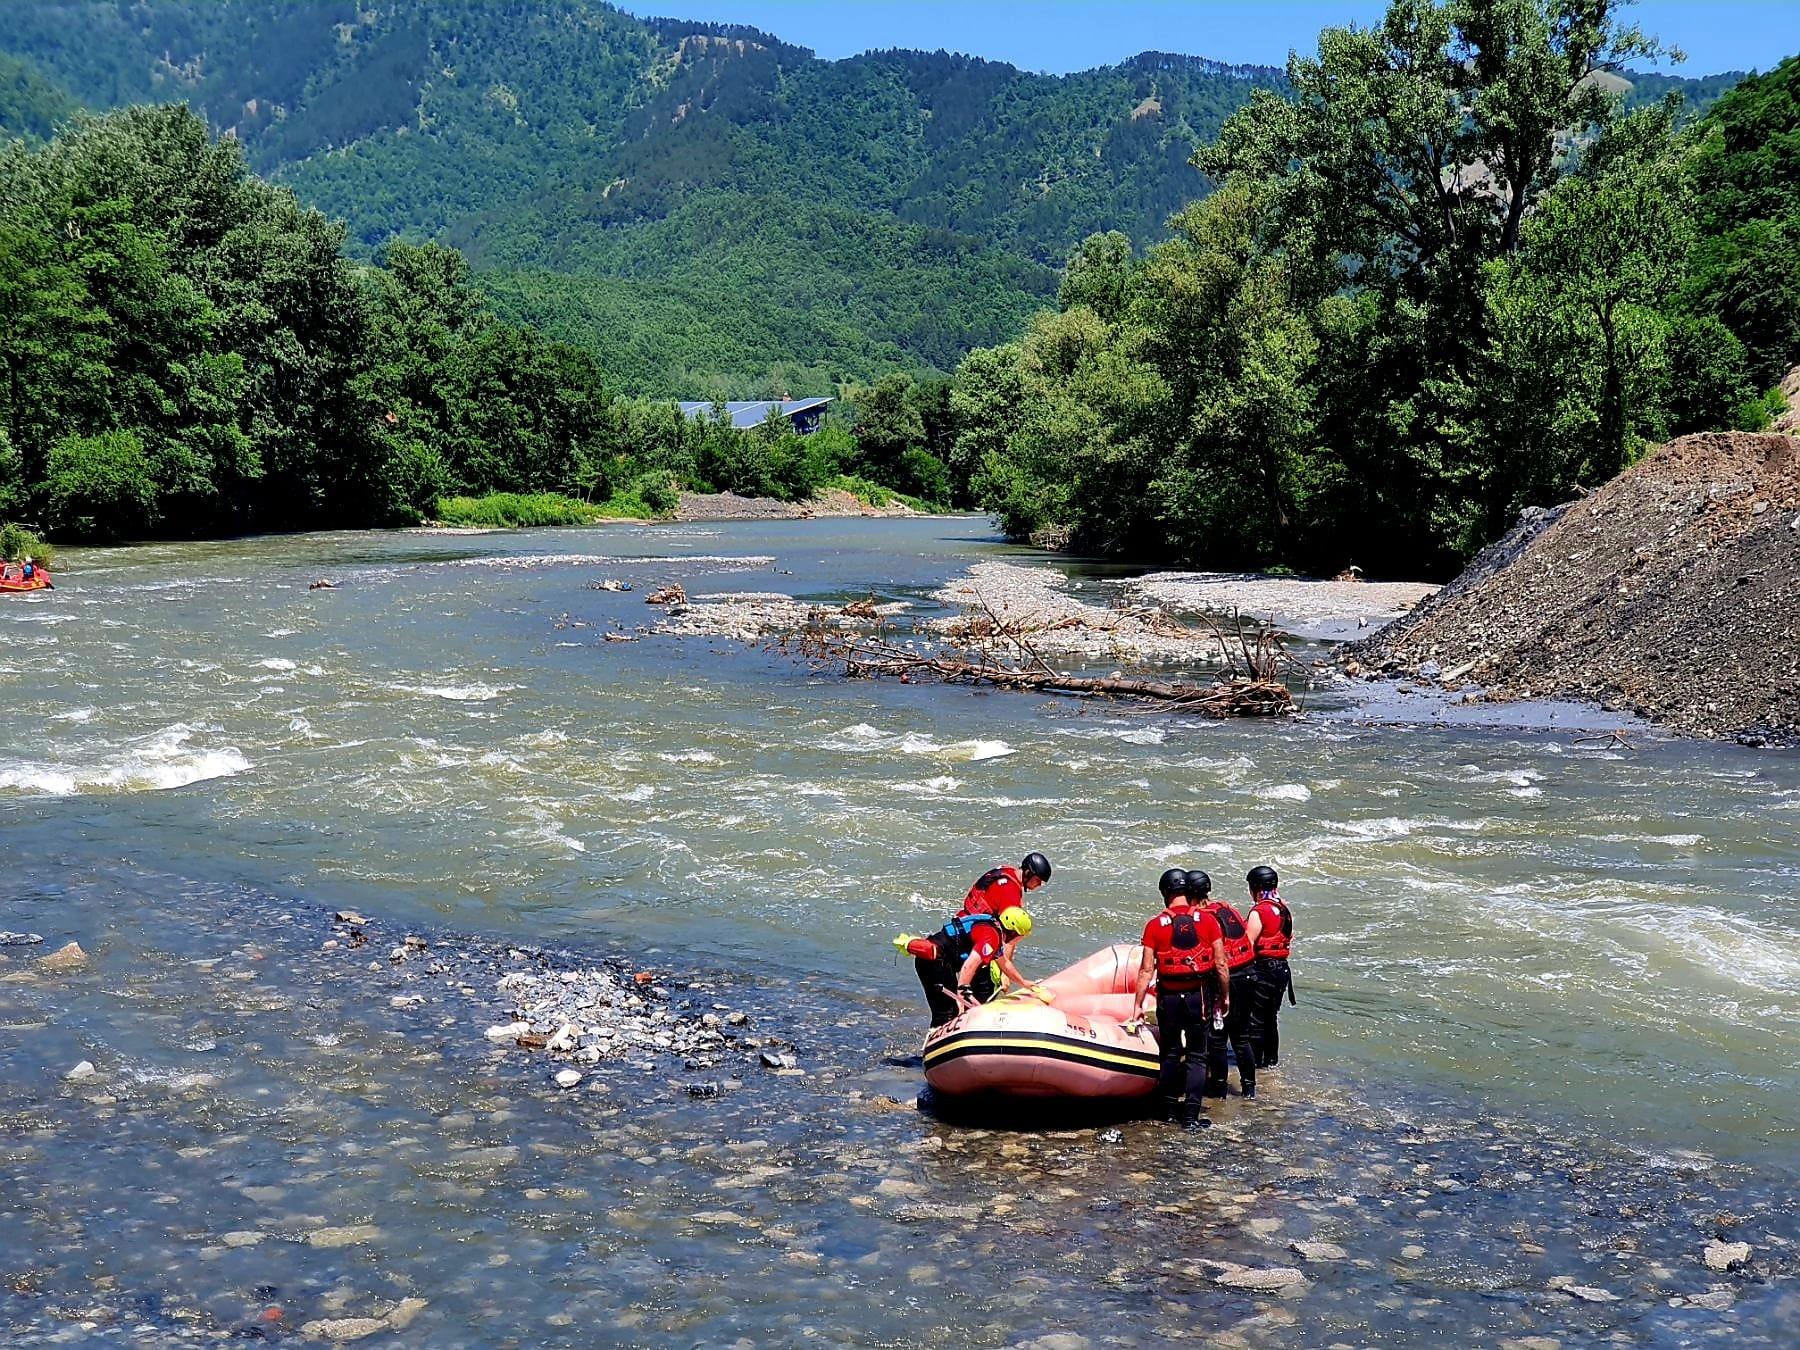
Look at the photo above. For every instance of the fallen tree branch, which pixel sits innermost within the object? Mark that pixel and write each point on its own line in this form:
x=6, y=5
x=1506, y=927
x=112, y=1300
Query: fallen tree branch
x=868, y=658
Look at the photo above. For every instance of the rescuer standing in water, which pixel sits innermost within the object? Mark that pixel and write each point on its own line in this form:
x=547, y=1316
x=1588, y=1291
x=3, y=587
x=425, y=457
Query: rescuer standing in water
x=1240, y=958
x=1270, y=928
x=999, y=889
x=1184, y=952
x=955, y=963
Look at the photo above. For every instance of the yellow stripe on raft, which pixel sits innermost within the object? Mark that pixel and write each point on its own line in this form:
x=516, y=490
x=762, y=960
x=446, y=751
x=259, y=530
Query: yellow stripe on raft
x=977, y=1041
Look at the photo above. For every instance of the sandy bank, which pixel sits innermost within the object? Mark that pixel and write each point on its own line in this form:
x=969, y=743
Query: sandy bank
x=1307, y=606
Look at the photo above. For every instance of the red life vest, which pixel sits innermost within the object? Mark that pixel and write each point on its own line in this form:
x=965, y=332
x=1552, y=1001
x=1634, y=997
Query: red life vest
x=979, y=901
x=1277, y=926
x=1187, y=959
x=1238, y=952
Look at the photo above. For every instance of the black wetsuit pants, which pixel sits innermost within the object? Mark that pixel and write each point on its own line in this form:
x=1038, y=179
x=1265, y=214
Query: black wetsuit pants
x=1272, y=980
x=1182, y=1023
x=939, y=977
x=1236, y=1034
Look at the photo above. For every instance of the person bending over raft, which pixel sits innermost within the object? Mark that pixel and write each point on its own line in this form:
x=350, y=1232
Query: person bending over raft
x=1270, y=929
x=954, y=963
x=997, y=891
x=1185, y=951
x=1240, y=959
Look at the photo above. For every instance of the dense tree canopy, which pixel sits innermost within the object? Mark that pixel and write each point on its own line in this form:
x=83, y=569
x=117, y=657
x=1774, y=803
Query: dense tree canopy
x=185, y=349
x=1446, y=277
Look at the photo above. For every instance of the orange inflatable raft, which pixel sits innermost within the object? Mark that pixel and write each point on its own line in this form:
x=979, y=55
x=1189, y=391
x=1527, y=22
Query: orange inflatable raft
x=12, y=581
x=1074, y=1046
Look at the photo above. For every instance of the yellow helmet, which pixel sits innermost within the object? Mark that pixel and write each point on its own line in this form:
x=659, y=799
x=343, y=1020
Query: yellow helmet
x=1016, y=921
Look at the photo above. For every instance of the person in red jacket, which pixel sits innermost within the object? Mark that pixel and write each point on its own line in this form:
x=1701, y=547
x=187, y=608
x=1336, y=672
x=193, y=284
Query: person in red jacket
x=1270, y=928
x=998, y=890
x=1240, y=958
x=955, y=964
x=1185, y=952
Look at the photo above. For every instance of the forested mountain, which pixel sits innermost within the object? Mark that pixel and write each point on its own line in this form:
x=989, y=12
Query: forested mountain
x=894, y=209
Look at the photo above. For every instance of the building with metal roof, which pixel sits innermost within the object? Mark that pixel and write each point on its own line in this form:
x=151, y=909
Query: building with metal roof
x=805, y=413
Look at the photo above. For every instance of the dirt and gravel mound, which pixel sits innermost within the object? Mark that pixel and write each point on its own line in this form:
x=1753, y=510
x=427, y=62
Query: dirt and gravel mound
x=1673, y=591
x=829, y=502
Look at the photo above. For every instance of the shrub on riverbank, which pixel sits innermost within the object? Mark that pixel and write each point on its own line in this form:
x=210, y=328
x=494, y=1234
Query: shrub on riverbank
x=17, y=542
x=516, y=511
x=879, y=497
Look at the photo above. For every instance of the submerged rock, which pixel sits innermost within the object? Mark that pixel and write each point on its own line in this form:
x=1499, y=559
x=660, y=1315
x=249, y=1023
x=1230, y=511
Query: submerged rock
x=344, y=1328
x=64, y=959
x=1588, y=1293
x=1319, y=1251
x=1266, y=1280
x=343, y=1237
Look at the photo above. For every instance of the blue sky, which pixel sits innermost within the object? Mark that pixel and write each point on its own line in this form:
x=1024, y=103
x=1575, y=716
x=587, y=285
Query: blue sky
x=1064, y=35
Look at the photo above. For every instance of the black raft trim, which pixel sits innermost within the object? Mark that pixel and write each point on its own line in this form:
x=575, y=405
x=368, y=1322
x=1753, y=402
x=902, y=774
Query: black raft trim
x=1044, y=1045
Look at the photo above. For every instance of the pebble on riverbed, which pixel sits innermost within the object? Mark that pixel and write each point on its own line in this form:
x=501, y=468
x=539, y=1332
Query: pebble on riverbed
x=1724, y=1256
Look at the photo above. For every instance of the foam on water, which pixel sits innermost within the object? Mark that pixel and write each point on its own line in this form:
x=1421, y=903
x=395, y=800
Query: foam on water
x=930, y=787
x=863, y=738
x=277, y=663
x=1285, y=792
x=150, y=764
x=473, y=692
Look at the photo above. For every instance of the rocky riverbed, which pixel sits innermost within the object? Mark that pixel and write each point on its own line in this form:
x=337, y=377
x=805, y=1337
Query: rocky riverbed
x=321, y=1128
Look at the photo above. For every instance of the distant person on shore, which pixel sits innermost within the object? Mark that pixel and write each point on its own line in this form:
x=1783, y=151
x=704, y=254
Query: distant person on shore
x=1270, y=929
x=1240, y=959
x=1184, y=952
x=998, y=890
x=956, y=964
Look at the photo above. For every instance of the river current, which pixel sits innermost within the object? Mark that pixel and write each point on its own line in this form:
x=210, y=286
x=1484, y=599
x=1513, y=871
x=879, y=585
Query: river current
x=1585, y=942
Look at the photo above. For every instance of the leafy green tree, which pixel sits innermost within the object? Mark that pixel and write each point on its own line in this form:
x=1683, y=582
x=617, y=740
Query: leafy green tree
x=888, y=424
x=1099, y=275
x=101, y=487
x=1609, y=249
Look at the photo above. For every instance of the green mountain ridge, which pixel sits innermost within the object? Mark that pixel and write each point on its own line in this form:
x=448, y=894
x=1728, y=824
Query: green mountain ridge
x=709, y=208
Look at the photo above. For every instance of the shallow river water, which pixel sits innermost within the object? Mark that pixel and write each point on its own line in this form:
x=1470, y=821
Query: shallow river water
x=1548, y=1031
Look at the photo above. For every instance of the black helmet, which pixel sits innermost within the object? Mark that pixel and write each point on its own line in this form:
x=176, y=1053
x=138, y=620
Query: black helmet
x=1172, y=882
x=1199, y=885
x=1036, y=865
x=1262, y=879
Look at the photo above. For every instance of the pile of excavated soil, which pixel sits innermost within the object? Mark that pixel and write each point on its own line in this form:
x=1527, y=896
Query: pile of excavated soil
x=1673, y=591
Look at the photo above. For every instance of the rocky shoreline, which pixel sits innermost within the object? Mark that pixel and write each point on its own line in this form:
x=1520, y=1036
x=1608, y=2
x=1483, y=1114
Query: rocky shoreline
x=832, y=502
x=767, y=1127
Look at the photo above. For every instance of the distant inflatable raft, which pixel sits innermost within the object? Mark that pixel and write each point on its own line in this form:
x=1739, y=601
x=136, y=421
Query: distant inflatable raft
x=1075, y=1047
x=40, y=582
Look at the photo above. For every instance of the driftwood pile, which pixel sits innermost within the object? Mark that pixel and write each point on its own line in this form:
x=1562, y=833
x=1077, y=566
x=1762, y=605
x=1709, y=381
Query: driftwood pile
x=1250, y=686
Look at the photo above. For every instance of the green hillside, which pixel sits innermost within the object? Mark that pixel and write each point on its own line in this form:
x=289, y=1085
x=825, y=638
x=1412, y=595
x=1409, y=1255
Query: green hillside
x=730, y=212
x=709, y=208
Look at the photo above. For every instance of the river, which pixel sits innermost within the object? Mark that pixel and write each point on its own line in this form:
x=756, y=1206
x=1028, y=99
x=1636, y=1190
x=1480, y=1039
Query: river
x=1560, y=974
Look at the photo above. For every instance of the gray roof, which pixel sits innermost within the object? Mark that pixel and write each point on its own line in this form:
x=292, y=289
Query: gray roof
x=756, y=412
